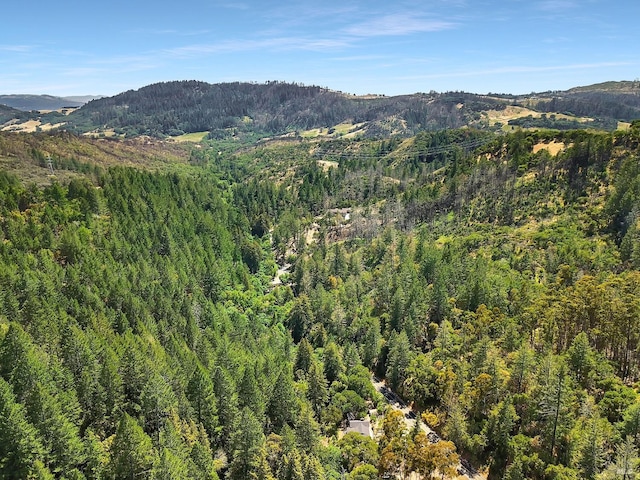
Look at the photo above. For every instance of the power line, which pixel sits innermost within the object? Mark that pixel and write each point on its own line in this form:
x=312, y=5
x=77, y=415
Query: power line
x=465, y=145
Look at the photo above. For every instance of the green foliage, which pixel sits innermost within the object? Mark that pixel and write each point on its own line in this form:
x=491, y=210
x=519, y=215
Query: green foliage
x=140, y=331
x=132, y=452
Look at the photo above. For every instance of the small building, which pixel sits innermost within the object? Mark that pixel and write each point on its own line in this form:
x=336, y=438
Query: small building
x=363, y=427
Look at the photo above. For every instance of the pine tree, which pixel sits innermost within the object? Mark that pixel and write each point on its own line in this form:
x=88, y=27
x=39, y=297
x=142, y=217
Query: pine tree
x=246, y=445
x=333, y=366
x=626, y=466
x=591, y=450
x=555, y=409
x=20, y=446
x=60, y=435
x=132, y=454
x=203, y=401
x=158, y=400
x=500, y=426
x=304, y=358
x=249, y=394
x=307, y=431
x=283, y=404
x=317, y=388
x=227, y=405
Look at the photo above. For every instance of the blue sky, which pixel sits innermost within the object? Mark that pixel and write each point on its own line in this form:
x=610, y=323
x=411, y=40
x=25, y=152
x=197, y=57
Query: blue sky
x=385, y=47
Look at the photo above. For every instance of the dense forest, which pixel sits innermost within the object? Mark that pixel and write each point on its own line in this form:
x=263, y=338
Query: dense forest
x=492, y=282
x=246, y=112
x=249, y=110
x=173, y=108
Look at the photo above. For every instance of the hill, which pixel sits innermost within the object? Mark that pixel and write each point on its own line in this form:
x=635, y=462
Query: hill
x=249, y=111
x=26, y=155
x=41, y=102
x=613, y=101
x=8, y=113
x=274, y=108
x=612, y=86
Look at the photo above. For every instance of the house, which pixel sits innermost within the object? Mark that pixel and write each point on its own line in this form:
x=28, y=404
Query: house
x=363, y=427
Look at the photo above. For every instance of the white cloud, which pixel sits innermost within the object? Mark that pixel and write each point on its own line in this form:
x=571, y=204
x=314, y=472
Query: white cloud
x=398, y=24
x=275, y=43
x=16, y=48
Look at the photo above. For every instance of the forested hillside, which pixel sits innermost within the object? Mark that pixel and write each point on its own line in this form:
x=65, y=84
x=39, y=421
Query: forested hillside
x=226, y=109
x=492, y=281
x=246, y=112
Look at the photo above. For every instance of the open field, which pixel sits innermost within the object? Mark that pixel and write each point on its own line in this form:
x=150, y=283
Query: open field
x=346, y=130
x=553, y=147
x=195, y=137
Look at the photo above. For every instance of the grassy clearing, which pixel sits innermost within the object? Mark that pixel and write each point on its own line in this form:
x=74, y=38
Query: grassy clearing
x=327, y=164
x=346, y=130
x=509, y=113
x=195, y=137
x=553, y=147
x=513, y=112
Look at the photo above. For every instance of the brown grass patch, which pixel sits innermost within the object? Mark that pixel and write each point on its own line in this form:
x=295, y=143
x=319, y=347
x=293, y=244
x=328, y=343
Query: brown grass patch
x=327, y=164
x=553, y=147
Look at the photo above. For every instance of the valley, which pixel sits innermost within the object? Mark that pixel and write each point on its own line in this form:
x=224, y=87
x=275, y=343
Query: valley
x=212, y=296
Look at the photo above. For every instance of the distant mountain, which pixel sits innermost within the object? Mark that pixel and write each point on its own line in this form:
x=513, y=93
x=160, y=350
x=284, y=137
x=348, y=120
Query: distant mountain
x=9, y=113
x=273, y=108
x=251, y=111
x=608, y=100
x=623, y=86
x=83, y=98
x=42, y=102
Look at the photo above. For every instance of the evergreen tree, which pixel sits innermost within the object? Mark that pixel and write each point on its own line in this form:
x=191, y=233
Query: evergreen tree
x=20, y=447
x=132, y=454
x=246, y=445
x=398, y=359
x=317, y=388
x=500, y=428
x=304, y=358
x=203, y=401
x=555, y=409
x=333, y=365
x=626, y=464
x=158, y=400
x=227, y=406
x=282, y=408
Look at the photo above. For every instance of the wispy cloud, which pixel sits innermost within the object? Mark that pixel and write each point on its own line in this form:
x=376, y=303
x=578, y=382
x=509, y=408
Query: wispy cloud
x=398, y=24
x=234, y=5
x=171, y=32
x=16, y=48
x=518, y=69
x=556, y=5
x=275, y=43
x=360, y=58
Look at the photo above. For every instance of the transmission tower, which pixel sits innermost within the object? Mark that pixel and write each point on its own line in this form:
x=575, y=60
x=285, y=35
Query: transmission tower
x=50, y=164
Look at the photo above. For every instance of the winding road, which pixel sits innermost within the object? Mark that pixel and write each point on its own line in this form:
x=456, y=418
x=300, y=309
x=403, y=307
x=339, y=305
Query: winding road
x=465, y=469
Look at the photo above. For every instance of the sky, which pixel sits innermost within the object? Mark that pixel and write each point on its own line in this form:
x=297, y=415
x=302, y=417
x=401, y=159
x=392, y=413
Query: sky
x=383, y=47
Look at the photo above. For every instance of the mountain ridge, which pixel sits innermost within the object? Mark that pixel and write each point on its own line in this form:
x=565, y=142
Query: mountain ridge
x=250, y=111
x=29, y=102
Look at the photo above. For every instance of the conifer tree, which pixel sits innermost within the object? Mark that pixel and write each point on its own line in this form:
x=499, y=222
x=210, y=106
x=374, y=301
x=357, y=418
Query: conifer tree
x=132, y=454
x=20, y=447
x=203, y=401
x=246, y=445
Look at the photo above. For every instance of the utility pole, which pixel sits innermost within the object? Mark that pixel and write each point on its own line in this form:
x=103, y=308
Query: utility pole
x=50, y=164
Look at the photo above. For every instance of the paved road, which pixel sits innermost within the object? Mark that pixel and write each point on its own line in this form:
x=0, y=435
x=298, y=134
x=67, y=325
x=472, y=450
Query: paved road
x=465, y=469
